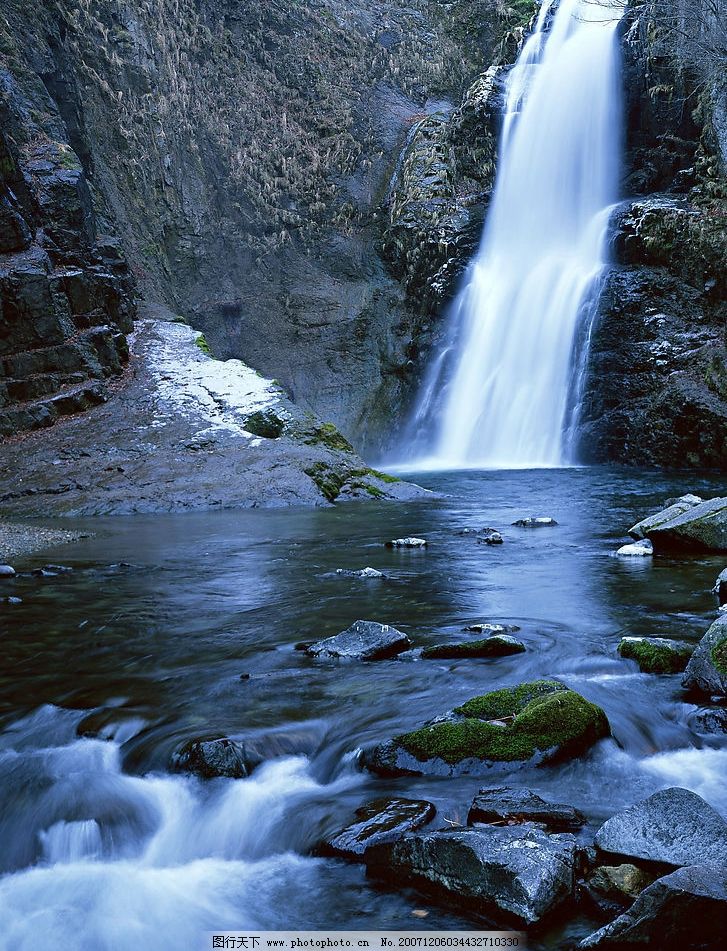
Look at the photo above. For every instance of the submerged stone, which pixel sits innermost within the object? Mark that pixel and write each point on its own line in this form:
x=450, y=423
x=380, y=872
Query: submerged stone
x=7, y=571
x=499, y=645
x=515, y=804
x=674, y=826
x=684, y=910
x=360, y=573
x=515, y=875
x=379, y=822
x=656, y=655
x=488, y=628
x=530, y=723
x=364, y=640
x=490, y=536
x=706, y=671
x=535, y=521
x=210, y=759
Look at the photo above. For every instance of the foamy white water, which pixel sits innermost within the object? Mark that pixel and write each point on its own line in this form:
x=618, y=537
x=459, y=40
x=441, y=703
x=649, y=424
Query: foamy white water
x=504, y=389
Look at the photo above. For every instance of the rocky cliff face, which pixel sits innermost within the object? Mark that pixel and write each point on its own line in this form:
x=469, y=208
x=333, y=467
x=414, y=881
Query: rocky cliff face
x=241, y=151
x=657, y=388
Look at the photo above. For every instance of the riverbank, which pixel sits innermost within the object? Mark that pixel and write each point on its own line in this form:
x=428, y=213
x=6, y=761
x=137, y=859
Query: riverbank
x=183, y=431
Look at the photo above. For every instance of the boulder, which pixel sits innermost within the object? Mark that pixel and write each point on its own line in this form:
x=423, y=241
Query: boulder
x=674, y=827
x=360, y=573
x=709, y=721
x=720, y=586
x=531, y=723
x=656, y=655
x=487, y=628
x=408, y=542
x=535, y=521
x=235, y=759
x=674, y=507
x=515, y=875
x=377, y=823
x=640, y=549
x=614, y=887
x=702, y=527
x=7, y=571
x=210, y=759
x=707, y=669
x=364, y=640
x=515, y=804
x=499, y=645
x=684, y=911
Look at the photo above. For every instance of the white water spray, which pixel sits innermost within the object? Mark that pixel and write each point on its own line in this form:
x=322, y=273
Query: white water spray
x=503, y=391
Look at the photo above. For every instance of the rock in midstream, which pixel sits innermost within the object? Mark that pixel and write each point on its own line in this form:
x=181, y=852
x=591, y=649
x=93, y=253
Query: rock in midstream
x=504, y=804
x=656, y=655
x=364, y=640
x=673, y=508
x=684, y=911
x=514, y=875
x=700, y=528
x=530, y=723
x=707, y=669
x=377, y=823
x=673, y=826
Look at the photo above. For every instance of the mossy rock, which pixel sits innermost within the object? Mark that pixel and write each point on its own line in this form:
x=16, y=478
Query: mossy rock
x=532, y=723
x=201, y=342
x=656, y=655
x=719, y=656
x=329, y=436
x=265, y=423
x=496, y=646
x=328, y=480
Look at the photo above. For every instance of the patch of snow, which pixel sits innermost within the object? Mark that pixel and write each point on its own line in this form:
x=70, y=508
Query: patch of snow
x=188, y=382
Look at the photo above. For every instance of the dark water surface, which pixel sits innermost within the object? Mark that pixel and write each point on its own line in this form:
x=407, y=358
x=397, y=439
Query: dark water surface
x=145, y=642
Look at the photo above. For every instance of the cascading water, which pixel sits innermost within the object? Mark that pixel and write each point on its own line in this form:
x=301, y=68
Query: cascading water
x=504, y=389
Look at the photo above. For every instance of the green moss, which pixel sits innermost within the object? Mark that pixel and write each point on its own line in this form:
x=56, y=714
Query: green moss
x=264, y=423
x=484, y=647
x=383, y=476
x=374, y=492
x=178, y=319
x=201, y=342
x=558, y=722
x=329, y=481
x=654, y=657
x=719, y=656
x=509, y=701
x=329, y=436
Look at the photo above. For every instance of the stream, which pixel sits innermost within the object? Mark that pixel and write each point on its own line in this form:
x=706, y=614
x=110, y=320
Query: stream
x=170, y=628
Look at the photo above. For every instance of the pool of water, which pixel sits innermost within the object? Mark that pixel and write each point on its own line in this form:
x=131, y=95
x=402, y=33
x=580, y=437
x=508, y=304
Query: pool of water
x=175, y=627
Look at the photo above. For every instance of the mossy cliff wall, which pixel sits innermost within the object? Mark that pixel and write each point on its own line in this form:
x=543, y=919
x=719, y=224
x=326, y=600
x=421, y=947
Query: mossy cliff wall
x=241, y=151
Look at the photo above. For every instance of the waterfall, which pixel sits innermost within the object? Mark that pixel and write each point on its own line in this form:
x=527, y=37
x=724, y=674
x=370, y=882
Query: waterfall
x=503, y=390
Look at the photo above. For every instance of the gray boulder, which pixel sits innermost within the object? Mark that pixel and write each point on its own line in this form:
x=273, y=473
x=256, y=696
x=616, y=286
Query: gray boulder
x=684, y=911
x=702, y=527
x=720, y=586
x=490, y=536
x=409, y=542
x=364, y=640
x=360, y=573
x=674, y=826
x=210, y=759
x=707, y=669
x=672, y=510
x=377, y=823
x=7, y=571
x=709, y=721
x=515, y=875
x=513, y=804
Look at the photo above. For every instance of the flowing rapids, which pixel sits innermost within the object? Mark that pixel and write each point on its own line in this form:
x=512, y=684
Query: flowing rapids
x=503, y=391
x=109, y=668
